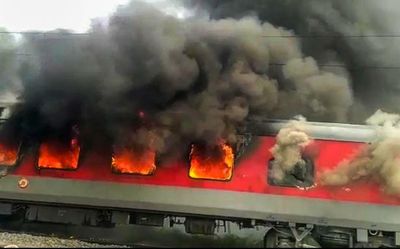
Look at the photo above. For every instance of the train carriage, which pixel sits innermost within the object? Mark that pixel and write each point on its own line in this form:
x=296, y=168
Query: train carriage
x=295, y=212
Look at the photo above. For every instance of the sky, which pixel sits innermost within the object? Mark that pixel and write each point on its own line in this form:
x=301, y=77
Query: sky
x=73, y=15
x=45, y=15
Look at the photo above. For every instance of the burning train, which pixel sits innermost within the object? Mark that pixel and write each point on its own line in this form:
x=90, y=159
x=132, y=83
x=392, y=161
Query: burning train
x=152, y=120
x=228, y=182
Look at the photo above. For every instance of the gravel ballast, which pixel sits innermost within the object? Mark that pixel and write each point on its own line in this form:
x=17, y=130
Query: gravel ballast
x=11, y=240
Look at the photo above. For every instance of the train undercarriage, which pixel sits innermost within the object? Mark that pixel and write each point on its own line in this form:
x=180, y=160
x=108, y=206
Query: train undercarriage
x=140, y=228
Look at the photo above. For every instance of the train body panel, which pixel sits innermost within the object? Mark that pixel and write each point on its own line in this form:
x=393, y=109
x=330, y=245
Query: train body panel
x=203, y=202
x=250, y=173
x=248, y=196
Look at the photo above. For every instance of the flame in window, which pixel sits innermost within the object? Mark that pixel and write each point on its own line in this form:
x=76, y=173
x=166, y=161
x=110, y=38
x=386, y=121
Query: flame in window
x=211, y=162
x=8, y=155
x=131, y=161
x=55, y=155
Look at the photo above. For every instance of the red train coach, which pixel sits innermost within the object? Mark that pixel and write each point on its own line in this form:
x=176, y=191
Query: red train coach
x=95, y=192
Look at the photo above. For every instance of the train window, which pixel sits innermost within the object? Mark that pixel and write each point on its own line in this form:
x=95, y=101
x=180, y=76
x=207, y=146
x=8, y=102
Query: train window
x=211, y=162
x=57, y=155
x=5, y=113
x=129, y=161
x=9, y=148
x=301, y=175
x=9, y=154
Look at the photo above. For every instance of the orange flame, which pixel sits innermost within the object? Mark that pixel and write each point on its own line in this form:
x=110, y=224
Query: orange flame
x=8, y=155
x=53, y=155
x=130, y=161
x=215, y=163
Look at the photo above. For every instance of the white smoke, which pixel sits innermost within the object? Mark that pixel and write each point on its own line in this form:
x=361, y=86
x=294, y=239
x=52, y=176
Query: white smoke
x=378, y=161
x=287, y=152
x=10, y=83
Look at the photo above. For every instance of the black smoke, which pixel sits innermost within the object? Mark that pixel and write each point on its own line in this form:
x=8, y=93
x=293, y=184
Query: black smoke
x=362, y=35
x=150, y=79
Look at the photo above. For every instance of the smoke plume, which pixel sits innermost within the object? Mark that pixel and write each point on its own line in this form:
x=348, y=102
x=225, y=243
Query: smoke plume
x=378, y=161
x=154, y=80
x=287, y=152
x=361, y=35
x=9, y=80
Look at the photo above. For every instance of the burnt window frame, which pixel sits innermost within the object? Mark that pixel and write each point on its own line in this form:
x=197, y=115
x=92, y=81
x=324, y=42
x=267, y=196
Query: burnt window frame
x=293, y=182
x=37, y=156
x=239, y=149
x=20, y=144
x=156, y=162
x=208, y=179
x=18, y=161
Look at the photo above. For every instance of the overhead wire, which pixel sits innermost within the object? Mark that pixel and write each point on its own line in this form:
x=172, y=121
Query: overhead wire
x=302, y=36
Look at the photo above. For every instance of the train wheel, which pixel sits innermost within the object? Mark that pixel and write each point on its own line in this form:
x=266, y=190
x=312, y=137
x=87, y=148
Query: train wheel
x=273, y=239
